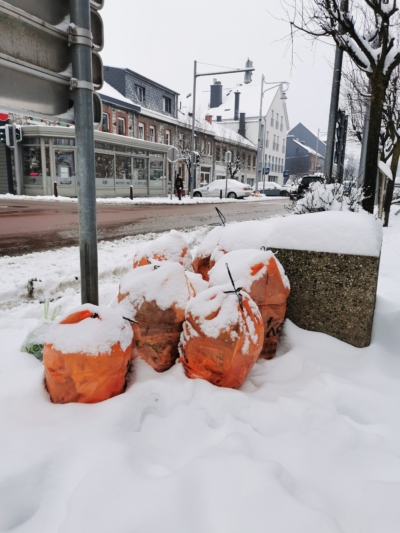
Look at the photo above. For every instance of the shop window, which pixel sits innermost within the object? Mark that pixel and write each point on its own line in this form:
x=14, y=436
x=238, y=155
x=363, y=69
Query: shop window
x=167, y=104
x=156, y=174
x=139, y=172
x=32, y=165
x=104, y=170
x=140, y=92
x=65, y=167
x=152, y=137
x=141, y=131
x=121, y=126
x=105, y=126
x=123, y=170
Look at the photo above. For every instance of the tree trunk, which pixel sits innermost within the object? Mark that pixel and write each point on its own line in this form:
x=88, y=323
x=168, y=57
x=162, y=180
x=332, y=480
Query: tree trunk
x=378, y=88
x=390, y=186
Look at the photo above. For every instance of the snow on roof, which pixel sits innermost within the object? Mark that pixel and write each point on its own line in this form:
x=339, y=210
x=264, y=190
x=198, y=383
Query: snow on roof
x=307, y=148
x=107, y=90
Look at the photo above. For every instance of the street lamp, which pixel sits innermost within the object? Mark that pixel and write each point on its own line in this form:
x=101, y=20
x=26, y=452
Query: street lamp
x=247, y=79
x=284, y=86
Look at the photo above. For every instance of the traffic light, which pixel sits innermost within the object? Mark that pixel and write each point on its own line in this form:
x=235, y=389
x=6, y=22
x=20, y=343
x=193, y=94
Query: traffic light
x=5, y=135
x=248, y=75
x=197, y=159
x=18, y=133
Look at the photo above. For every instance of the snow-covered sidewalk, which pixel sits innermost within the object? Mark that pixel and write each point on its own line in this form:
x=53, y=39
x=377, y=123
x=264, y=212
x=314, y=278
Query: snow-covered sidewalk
x=309, y=444
x=153, y=200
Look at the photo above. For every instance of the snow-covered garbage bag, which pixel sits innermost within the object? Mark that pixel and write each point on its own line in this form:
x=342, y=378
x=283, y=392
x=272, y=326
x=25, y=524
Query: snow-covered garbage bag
x=34, y=342
x=169, y=247
x=222, y=336
x=156, y=296
x=86, y=355
x=261, y=275
x=202, y=263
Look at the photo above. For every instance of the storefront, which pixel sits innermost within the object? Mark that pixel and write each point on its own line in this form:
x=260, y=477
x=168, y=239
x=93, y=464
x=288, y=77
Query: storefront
x=48, y=157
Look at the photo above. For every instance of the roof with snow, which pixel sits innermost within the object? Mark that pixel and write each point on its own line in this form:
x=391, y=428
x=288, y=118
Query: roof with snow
x=111, y=95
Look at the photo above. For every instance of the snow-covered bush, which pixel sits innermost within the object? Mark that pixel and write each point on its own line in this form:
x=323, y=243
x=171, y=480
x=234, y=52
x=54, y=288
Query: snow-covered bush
x=332, y=197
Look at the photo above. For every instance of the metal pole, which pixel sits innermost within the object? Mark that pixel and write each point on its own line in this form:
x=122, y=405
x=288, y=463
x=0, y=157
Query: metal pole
x=9, y=170
x=259, y=146
x=17, y=165
x=363, y=156
x=85, y=162
x=316, y=154
x=226, y=182
x=193, y=168
x=263, y=152
x=172, y=177
x=330, y=143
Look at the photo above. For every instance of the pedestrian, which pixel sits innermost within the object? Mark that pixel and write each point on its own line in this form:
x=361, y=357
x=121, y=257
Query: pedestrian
x=179, y=186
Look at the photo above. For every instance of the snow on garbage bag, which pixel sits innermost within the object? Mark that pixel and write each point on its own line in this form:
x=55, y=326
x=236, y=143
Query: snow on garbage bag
x=169, y=247
x=86, y=355
x=202, y=258
x=34, y=342
x=222, y=336
x=262, y=276
x=155, y=296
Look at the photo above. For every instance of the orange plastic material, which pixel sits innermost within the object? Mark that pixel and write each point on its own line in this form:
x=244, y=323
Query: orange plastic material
x=85, y=378
x=156, y=336
x=221, y=361
x=202, y=266
x=270, y=294
x=144, y=260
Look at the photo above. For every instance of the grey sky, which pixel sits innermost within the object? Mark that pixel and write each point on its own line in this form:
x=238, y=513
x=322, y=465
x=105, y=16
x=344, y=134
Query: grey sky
x=160, y=39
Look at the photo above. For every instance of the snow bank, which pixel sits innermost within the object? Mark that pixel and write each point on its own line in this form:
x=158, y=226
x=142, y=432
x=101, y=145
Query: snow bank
x=92, y=335
x=340, y=232
x=165, y=283
x=198, y=283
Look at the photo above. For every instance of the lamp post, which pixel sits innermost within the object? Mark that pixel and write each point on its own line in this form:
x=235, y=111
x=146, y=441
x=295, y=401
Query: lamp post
x=284, y=86
x=247, y=79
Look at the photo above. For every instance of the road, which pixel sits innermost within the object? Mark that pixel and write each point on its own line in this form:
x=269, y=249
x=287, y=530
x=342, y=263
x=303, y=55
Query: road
x=34, y=226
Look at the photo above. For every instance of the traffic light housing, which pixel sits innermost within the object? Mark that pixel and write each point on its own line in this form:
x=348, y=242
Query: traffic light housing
x=248, y=75
x=5, y=135
x=197, y=159
x=18, y=133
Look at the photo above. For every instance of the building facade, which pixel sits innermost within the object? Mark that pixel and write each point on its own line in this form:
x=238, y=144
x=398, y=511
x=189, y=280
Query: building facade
x=305, y=153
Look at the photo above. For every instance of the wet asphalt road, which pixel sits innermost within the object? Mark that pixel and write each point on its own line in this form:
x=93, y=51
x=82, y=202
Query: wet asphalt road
x=34, y=226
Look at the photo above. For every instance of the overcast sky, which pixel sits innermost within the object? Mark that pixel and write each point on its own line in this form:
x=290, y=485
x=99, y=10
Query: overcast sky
x=160, y=39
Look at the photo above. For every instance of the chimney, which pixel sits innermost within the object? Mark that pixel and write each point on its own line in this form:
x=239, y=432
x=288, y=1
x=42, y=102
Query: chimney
x=215, y=94
x=242, y=124
x=237, y=101
x=209, y=118
x=219, y=118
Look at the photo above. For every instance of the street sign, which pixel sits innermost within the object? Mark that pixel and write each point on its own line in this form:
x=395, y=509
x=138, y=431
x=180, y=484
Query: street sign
x=173, y=154
x=36, y=57
x=286, y=173
x=266, y=170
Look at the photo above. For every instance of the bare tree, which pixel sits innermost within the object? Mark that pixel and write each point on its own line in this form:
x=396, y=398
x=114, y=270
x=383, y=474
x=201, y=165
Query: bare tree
x=234, y=167
x=368, y=31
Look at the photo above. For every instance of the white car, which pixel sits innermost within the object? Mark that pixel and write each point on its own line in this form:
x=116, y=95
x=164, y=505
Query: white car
x=235, y=189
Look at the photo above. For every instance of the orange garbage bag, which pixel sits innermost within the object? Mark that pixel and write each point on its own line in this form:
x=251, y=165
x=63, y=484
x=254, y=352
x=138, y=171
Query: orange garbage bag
x=261, y=275
x=86, y=356
x=169, y=247
x=222, y=338
x=156, y=296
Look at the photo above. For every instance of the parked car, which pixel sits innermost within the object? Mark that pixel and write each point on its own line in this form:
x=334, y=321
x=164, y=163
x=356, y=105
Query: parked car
x=304, y=184
x=272, y=189
x=235, y=189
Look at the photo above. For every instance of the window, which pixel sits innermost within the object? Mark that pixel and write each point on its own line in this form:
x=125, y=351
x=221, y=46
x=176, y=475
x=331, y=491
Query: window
x=121, y=126
x=105, y=125
x=208, y=148
x=140, y=131
x=273, y=164
x=249, y=161
x=277, y=143
x=274, y=143
x=167, y=105
x=284, y=146
x=140, y=93
x=180, y=142
x=152, y=136
x=254, y=161
x=272, y=118
x=167, y=137
x=277, y=121
x=281, y=123
x=267, y=140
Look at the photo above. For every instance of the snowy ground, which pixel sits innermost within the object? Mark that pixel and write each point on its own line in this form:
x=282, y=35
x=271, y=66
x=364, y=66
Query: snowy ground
x=311, y=443
x=154, y=200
